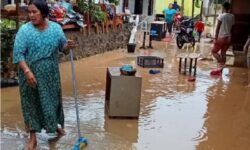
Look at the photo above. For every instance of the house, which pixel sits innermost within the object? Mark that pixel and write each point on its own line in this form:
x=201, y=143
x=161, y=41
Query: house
x=144, y=7
x=241, y=11
x=241, y=29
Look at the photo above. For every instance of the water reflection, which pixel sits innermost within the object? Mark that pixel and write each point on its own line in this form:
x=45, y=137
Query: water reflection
x=123, y=128
x=227, y=121
x=210, y=113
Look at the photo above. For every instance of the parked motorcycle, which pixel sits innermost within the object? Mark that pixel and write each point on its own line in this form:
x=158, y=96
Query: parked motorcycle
x=185, y=33
x=177, y=21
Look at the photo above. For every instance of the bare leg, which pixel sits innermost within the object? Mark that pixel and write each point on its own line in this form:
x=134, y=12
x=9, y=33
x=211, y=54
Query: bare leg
x=223, y=53
x=31, y=145
x=60, y=131
x=223, y=57
x=217, y=57
x=199, y=36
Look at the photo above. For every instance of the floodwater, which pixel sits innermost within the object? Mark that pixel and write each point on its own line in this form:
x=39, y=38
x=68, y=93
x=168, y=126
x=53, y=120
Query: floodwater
x=211, y=113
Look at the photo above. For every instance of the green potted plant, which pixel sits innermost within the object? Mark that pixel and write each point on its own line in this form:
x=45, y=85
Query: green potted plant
x=98, y=14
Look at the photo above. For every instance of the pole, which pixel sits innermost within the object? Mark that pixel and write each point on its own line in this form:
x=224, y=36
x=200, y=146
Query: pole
x=150, y=41
x=144, y=39
x=182, y=7
x=201, y=9
x=193, y=8
x=74, y=93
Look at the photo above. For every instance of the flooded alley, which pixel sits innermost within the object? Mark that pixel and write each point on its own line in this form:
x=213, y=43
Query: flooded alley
x=211, y=113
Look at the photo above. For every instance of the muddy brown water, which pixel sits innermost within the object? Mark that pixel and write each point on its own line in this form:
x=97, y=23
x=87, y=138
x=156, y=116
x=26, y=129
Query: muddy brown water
x=211, y=113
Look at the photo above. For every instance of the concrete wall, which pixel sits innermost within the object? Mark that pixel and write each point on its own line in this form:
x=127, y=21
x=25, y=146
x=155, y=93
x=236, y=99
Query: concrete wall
x=88, y=45
x=131, y=6
x=119, y=7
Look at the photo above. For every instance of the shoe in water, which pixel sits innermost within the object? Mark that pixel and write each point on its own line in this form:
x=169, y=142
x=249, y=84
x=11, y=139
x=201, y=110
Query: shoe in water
x=216, y=72
x=191, y=79
x=154, y=71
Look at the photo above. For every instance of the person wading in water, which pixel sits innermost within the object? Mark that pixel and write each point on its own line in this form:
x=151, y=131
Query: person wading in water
x=36, y=49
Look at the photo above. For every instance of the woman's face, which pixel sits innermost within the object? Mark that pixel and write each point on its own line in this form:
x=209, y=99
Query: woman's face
x=35, y=15
x=170, y=6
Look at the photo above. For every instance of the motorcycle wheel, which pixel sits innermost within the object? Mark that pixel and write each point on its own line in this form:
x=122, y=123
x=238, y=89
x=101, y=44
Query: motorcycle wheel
x=179, y=42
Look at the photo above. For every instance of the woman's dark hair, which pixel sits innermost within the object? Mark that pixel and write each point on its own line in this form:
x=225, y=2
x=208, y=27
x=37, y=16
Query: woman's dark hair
x=42, y=6
x=226, y=5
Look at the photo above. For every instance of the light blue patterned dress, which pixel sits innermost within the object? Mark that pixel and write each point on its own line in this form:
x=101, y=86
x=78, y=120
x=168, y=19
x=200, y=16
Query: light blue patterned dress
x=42, y=106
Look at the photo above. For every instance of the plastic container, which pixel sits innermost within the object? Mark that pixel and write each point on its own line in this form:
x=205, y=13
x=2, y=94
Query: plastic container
x=131, y=47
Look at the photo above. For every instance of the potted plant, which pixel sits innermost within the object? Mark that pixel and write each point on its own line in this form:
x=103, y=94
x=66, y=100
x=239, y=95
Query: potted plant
x=98, y=14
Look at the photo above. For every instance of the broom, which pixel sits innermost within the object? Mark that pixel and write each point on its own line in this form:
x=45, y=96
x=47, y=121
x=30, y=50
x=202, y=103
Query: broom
x=81, y=142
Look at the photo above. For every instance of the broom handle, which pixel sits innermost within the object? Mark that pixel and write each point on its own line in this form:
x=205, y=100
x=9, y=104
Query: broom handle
x=74, y=91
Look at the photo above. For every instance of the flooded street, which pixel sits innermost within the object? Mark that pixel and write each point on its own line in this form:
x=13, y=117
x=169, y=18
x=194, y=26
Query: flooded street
x=211, y=113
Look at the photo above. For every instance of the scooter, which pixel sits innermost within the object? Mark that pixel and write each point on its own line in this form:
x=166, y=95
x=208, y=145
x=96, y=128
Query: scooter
x=185, y=34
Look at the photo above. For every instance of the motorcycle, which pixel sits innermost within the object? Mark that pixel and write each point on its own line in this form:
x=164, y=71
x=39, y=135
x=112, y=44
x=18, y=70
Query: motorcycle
x=177, y=21
x=185, y=34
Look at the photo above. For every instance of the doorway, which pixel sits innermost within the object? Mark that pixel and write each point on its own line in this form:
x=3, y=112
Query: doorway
x=125, y=5
x=150, y=7
x=138, y=6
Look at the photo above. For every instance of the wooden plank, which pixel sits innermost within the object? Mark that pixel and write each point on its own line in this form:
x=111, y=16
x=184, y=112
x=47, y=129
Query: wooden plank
x=70, y=26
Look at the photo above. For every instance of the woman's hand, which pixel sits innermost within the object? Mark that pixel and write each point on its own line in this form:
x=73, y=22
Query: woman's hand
x=70, y=45
x=30, y=79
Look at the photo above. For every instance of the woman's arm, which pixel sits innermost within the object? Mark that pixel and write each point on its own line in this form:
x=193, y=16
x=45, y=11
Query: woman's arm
x=30, y=78
x=19, y=53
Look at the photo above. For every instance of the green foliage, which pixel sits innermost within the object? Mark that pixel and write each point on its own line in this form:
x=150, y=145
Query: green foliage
x=7, y=24
x=208, y=23
x=83, y=6
x=8, y=32
x=197, y=4
x=116, y=2
x=93, y=9
x=7, y=41
x=99, y=15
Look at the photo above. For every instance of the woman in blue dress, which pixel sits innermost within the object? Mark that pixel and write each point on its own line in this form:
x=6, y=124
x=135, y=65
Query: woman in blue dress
x=36, y=50
x=169, y=17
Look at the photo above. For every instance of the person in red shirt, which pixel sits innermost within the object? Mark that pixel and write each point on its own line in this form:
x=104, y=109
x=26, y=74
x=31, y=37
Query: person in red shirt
x=199, y=27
